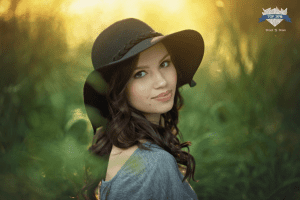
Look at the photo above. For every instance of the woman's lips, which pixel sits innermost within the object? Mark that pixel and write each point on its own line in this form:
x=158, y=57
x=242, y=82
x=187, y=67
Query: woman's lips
x=163, y=94
x=165, y=98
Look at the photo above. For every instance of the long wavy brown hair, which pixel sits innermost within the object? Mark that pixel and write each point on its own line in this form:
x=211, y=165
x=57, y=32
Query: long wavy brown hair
x=124, y=130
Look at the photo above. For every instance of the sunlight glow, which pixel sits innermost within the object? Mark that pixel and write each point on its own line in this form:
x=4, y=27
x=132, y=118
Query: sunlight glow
x=133, y=7
x=173, y=5
x=80, y=6
x=84, y=19
x=220, y=3
x=4, y=6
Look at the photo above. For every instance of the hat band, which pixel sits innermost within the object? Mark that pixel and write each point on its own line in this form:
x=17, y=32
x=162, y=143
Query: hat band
x=131, y=43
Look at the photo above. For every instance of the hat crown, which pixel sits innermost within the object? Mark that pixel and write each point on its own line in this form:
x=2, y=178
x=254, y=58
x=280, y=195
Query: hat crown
x=110, y=41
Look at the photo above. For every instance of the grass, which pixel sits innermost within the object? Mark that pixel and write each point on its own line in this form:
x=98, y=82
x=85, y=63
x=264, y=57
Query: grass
x=237, y=122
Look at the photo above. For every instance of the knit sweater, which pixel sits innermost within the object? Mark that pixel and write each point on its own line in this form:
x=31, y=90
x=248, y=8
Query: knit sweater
x=147, y=175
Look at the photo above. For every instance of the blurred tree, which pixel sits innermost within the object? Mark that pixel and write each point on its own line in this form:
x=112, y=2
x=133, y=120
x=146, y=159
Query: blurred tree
x=37, y=95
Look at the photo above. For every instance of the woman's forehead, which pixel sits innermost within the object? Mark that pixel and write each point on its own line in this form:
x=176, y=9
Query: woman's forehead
x=154, y=53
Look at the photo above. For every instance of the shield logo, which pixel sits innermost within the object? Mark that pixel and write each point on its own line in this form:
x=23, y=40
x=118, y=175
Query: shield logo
x=274, y=16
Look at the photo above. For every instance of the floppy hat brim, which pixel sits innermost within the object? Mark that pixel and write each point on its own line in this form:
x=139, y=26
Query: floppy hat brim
x=188, y=45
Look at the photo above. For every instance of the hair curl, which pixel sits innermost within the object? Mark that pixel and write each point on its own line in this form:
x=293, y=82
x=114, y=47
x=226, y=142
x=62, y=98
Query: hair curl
x=124, y=130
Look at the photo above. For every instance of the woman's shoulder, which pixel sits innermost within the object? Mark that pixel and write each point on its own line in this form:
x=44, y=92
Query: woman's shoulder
x=118, y=158
x=116, y=150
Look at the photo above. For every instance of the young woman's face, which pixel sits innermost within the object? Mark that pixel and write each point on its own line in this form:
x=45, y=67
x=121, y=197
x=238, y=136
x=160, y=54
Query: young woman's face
x=155, y=74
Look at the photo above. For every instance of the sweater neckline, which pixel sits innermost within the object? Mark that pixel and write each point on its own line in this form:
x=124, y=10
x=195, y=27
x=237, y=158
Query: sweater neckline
x=122, y=168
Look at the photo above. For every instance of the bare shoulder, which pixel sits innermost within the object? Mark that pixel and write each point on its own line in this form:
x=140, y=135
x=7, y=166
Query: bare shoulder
x=117, y=159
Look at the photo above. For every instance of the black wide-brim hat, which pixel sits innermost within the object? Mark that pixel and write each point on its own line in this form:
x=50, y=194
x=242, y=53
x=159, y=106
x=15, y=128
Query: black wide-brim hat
x=112, y=47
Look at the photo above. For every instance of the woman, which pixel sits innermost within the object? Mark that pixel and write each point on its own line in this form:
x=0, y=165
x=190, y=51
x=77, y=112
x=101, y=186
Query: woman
x=135, y=88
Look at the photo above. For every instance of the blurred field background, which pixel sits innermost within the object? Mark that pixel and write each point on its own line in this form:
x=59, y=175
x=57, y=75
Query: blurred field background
x=243, y=116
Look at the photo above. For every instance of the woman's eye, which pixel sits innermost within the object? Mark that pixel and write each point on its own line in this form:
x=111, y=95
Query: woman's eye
x=163, y=63
x=138, y=75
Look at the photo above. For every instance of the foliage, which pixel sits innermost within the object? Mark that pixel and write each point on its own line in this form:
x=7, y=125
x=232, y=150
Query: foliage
x=240, y=121
x=44, y=134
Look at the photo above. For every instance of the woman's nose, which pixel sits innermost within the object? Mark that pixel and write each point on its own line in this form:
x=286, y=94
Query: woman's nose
x=160, y=80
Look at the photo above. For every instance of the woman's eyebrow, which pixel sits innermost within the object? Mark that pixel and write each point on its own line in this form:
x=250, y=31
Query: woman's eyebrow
x=146, y=66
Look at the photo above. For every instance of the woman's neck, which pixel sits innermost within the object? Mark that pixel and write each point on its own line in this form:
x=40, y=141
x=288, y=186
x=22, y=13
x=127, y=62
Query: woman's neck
x=153, y=117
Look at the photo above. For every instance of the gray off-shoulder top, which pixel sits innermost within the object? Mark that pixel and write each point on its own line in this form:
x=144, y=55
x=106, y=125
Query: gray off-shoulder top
x=147, y=175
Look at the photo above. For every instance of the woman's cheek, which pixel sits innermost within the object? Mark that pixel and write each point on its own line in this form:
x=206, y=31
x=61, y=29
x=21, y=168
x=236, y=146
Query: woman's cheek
x=138, y=93
x=174, y=76
x=134, y=94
